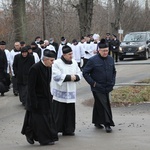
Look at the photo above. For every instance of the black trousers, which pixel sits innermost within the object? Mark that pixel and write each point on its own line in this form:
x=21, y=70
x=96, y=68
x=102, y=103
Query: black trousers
x=102, y=111
x=22, y=89
x=115, y=56
x=64, y=115
x=14, y=83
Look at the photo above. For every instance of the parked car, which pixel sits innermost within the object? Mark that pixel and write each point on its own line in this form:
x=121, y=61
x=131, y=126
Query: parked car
x=135, y=45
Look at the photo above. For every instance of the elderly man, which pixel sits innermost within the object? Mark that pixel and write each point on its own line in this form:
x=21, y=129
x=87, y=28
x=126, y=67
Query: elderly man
x=100, y=73
x=65, y=74
x=39, y=124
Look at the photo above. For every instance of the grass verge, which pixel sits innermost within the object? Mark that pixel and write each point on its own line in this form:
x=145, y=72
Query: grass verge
x=127, y=95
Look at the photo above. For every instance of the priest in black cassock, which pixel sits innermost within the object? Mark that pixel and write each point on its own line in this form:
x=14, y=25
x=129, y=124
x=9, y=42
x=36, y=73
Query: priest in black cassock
x=39, y=124
x=100, y=73
x=3, y=70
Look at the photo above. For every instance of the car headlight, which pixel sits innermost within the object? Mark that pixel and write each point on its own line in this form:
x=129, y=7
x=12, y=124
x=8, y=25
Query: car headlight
x=120, y=49
x=141, y=48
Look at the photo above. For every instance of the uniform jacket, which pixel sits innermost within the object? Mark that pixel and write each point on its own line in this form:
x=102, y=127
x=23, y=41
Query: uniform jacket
x=114, y=45
x=100, y=73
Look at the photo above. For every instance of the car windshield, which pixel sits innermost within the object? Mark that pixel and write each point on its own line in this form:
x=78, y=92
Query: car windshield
x=135, y=37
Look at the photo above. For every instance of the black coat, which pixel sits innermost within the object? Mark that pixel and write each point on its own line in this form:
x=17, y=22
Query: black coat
x=3, y=65
x=114, y=45
x=100, y=72
x=3, y=72
x=39, y=96
x=21, y=66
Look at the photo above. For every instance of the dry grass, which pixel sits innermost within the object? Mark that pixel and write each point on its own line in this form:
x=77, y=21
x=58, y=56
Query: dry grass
x=131, y=94
x=127, y=95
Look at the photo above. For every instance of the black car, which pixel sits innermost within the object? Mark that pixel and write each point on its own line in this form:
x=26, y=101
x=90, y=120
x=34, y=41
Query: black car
x=135, y=45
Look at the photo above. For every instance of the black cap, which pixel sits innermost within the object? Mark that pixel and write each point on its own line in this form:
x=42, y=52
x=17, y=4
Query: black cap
x=114, y=35
x=102, y=44
x=48, y=53
x=2, y=43
x=74, y=41
x=22, y=43
x=107, y=34
x=28, y=47
x=62, y=38
x=66, y=49
x=24, y=49
x=41, y=42
x=33, y=43
x=37, y=38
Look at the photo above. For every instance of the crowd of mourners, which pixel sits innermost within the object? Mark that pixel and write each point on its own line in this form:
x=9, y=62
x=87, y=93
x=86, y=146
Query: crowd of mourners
x=44, y=75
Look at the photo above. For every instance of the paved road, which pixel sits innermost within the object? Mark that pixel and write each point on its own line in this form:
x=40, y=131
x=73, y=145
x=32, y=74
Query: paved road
x=132, y=130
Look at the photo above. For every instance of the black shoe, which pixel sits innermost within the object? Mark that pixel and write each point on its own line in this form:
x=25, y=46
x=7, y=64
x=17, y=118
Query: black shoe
x=68, y=134
x=108, y=129
x=99, y=126
x=30, y=141
x=2, y=94
x=16, y=93
x=49, y=143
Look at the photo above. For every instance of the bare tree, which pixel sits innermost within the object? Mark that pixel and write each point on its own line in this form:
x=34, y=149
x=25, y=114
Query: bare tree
x=118, y=9
x=85, y=12
x=19, y=19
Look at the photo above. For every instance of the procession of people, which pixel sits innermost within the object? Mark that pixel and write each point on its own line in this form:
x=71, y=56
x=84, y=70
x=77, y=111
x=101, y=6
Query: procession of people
x=44, y=75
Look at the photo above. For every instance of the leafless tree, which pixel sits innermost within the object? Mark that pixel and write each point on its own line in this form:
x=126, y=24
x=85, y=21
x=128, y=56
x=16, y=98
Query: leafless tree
x=19, y=18
x=85, y=12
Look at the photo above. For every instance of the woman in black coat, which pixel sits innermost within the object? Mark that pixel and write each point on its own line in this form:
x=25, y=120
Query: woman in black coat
x=114, y=46
x=21, y=66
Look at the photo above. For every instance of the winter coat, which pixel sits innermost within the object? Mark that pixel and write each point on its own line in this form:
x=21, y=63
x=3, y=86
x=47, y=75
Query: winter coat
x=100, y=73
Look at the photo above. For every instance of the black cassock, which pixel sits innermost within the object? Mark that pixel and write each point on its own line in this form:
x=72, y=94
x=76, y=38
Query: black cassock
x=4, y=85
x=39, y=122
x=102, y=111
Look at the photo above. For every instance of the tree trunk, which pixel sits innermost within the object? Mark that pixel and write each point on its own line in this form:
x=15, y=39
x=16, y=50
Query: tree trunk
x=118, y=8
x=19, y=17
x=85, y=12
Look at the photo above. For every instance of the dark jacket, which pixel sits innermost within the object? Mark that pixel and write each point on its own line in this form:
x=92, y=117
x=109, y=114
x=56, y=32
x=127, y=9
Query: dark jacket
x=100, y=73
x=39, y=96
x=21, y=67
x=114, y=45
x=3, y=72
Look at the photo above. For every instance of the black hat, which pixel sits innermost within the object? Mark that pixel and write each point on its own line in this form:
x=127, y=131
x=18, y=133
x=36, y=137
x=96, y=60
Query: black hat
x=37, y=38
x=114, y=35
x=2, y=43
x=62, y=38
x=48, y=53
x=107, y=34
x=22, y=43
x=41, y=42
x=28, y=47
x=66, y=49
x=74, y=41
x=33, y=43
x=82, y=37
x=24, y=49
x=102, y=44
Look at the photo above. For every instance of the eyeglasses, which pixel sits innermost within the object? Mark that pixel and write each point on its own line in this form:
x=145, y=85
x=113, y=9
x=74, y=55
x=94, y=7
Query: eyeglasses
x=104, y=51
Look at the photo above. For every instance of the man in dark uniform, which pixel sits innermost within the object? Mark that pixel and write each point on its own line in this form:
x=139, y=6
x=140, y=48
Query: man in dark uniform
x=100, y=73
x=39, y=124
x=108, y=41
x=21, y=66
x=115, y=43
